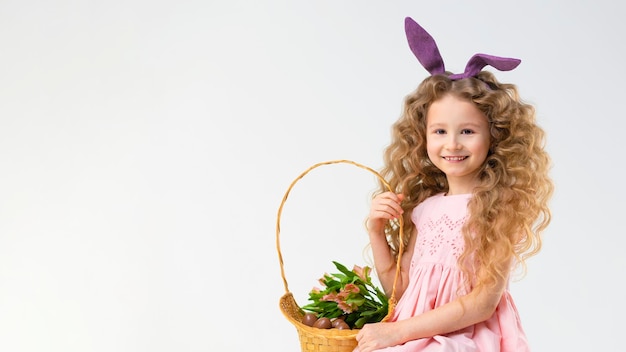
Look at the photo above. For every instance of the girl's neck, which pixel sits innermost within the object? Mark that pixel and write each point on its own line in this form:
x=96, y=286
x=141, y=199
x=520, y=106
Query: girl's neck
x=457, y=186
x=455, y=191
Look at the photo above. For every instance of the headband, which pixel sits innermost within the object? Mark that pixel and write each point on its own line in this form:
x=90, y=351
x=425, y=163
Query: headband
x=425, y=49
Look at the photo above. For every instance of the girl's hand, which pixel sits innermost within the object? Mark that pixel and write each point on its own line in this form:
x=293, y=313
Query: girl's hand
x=376, y=336
x=385, y=206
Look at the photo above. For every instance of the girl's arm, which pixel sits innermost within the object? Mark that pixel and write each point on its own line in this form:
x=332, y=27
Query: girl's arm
x=477, y=306
x=385, y=207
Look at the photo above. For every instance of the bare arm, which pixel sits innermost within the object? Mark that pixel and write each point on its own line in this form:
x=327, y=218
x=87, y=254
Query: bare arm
x=479, y=305
x=385, y=207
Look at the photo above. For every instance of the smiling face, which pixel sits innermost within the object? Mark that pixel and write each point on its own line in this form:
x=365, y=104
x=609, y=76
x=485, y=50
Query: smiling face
x=457, y=141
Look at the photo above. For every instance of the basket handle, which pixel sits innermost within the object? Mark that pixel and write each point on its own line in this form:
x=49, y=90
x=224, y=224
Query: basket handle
x=280, y=210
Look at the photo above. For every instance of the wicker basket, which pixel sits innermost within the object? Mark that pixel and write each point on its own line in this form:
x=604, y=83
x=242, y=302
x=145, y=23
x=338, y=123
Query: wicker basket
x=315, y=339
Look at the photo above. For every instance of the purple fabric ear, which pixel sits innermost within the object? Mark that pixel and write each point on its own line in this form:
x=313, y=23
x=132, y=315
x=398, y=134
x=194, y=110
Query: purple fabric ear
x=425, y=50
x=478, y=61
x=423, y=47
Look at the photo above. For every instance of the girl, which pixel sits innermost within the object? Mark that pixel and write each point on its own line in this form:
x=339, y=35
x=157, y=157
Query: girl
x=471, y=174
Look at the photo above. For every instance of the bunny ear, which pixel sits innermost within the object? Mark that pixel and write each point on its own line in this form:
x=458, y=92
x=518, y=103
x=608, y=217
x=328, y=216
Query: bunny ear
x=425, y=50
x=423, y=47
x=478, y=61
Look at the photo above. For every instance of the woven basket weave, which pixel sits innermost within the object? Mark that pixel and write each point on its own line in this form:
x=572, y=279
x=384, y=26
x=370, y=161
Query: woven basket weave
x=315, y=339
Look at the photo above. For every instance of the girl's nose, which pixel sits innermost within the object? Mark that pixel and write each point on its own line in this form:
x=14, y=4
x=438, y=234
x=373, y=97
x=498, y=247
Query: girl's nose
x=453, y=144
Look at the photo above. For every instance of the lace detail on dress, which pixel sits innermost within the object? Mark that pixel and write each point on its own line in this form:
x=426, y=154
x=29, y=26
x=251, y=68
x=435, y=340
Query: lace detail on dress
x=440, y=236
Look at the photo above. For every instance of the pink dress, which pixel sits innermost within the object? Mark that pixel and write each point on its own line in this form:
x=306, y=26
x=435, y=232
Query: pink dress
x=435, y=278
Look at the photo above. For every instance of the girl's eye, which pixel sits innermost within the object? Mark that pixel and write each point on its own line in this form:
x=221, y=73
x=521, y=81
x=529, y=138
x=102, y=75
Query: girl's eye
x=439, y=131
x=467, y=131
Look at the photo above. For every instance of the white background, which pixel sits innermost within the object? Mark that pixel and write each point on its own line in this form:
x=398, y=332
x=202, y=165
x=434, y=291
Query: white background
x=145, y=147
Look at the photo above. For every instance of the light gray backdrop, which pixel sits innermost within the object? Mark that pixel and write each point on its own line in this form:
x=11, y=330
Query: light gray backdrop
x=145, y=147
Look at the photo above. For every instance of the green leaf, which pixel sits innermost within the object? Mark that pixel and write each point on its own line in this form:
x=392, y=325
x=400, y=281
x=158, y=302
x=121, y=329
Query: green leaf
x=343, y=269
x=369, y=313
x=359, y=301
x=360, y=322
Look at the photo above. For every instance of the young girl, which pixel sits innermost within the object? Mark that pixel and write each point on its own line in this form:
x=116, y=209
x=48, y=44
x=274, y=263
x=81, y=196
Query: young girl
x=471, y=174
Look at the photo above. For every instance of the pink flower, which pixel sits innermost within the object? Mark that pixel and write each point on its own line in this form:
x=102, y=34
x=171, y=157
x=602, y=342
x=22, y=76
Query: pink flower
x=330, y=297
x=362, y=273
x=346, y=308
x=322, y=280
x=351, y=288
x=343, y=295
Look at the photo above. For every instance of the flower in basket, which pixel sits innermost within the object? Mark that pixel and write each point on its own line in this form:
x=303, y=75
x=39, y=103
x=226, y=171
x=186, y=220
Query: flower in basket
x=349, y=295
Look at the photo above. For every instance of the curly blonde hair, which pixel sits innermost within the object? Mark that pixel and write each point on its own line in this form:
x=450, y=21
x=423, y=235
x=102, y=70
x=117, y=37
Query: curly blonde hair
x=509, y=209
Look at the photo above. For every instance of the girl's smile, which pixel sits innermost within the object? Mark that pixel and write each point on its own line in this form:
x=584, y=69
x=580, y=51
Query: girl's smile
x=455, y=158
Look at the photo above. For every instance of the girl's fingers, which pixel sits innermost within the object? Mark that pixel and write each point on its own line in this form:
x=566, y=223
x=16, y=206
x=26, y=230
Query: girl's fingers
x=387, y=205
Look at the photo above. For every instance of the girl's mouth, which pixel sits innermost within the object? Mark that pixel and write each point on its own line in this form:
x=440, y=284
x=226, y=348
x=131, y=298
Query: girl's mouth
x=455, y=158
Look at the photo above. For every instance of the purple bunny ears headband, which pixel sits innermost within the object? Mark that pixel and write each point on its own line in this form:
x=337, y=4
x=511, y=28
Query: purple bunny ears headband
x=425, y=49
